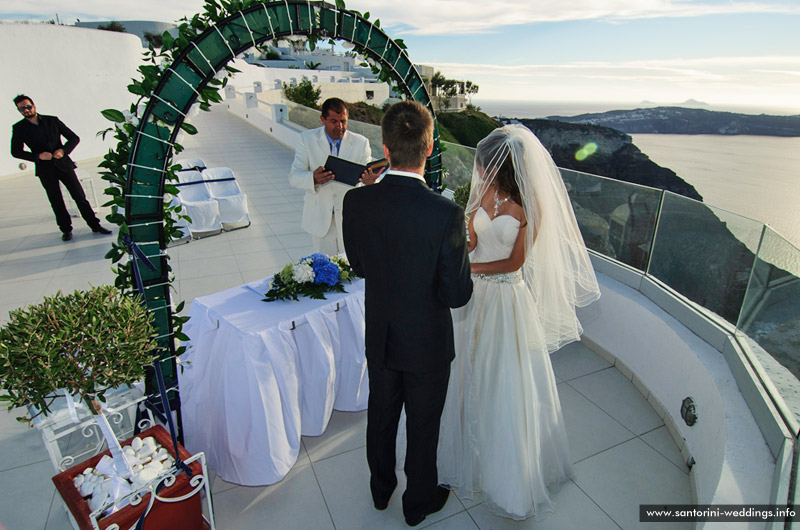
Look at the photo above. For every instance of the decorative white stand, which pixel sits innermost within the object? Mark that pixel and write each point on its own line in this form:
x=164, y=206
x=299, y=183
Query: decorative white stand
x=68, y=443
x=60, y=432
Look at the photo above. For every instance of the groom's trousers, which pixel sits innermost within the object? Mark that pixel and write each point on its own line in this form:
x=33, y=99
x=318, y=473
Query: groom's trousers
x=423, y=394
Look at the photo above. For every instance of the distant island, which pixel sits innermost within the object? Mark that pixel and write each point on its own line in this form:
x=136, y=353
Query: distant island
x=682, y=120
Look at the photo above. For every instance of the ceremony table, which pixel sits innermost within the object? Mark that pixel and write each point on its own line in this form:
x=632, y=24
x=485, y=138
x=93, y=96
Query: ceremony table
x=257, y=375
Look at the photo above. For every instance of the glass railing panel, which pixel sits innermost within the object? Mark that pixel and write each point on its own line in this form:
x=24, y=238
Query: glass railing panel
x=373, y=134
x=457, y=161
x=617, y=219
x=303, y=116
x=771, y=311
x=705, y=253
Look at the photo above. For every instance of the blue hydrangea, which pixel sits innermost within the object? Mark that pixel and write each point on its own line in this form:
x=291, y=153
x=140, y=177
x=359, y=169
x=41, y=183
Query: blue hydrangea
x=316, y=257
x=325, y=272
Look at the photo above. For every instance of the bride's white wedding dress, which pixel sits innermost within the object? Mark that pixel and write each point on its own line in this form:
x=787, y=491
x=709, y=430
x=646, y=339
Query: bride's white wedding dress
x=502, y=433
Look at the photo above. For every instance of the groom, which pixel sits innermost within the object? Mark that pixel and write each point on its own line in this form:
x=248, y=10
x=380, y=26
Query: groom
x=409, y=244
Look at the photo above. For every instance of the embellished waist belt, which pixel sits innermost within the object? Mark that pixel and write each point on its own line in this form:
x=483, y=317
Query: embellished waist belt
x=504, y=277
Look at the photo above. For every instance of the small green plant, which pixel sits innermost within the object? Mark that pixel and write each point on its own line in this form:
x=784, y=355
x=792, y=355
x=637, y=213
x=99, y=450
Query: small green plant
x=112, y=26
x=86, y=342
x=304, y=93
x=461, y=194
x=153, y=39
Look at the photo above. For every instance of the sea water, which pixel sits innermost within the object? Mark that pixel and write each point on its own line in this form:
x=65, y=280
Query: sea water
x=754, y=176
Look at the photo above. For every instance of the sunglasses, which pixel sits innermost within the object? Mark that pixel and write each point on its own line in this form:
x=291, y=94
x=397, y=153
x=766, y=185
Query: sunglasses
x=25, y=107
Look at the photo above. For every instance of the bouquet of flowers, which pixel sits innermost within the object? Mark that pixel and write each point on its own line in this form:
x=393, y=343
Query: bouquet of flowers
x=312, y=276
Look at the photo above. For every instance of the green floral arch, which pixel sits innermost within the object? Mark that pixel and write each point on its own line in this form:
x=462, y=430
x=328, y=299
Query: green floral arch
x=142, y=177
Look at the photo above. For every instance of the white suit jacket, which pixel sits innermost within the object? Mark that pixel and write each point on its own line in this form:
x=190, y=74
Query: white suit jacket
x=324, y=202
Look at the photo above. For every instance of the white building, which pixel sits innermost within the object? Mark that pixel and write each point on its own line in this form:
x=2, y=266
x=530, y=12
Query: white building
x=336, y=75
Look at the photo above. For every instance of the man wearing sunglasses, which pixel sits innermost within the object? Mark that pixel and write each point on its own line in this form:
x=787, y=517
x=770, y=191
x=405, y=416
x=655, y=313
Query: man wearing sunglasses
x=42, y=136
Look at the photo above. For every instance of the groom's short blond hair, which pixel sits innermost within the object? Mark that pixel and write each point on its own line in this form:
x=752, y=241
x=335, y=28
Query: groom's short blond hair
x=407, y=129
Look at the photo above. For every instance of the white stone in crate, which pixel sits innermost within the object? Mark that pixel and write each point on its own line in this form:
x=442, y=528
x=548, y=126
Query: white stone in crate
x=96, y=501
x=146, y=475
x=145, y=451
x=86, y=488
x=106, y=466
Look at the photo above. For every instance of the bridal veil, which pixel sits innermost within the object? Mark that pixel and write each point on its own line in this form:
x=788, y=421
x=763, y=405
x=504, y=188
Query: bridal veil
x=557, y=268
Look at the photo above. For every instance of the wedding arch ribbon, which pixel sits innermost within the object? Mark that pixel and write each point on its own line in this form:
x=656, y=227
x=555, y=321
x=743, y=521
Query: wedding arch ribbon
x=139, y=256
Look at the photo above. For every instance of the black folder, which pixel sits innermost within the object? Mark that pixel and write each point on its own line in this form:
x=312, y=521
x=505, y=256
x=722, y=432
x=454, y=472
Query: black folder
x=348, y=172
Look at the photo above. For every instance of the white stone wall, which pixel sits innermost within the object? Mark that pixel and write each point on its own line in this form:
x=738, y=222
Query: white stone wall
x=70, y=72
x=265, y=117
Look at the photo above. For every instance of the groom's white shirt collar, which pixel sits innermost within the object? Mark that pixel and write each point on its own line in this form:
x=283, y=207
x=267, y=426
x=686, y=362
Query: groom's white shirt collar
x=406, y=174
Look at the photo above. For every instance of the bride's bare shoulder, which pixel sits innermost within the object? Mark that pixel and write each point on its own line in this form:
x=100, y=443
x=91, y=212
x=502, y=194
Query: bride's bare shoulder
x=516, y=211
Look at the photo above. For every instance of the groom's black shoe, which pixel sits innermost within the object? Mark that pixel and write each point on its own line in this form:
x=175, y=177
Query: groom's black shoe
x=437, y=502
x=381, y=499
x=99, y=229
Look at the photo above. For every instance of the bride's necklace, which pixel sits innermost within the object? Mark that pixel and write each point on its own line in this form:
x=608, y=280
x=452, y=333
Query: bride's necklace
x=498, y=202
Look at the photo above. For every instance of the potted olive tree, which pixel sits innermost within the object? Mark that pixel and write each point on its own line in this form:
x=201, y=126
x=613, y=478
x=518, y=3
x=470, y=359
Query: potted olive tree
x=83, y=344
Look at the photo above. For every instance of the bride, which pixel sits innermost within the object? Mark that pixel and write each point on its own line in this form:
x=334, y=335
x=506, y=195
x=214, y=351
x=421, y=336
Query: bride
x=502, y=433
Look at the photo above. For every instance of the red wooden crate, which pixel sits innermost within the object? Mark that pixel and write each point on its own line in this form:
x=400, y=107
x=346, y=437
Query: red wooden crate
x=186, y=514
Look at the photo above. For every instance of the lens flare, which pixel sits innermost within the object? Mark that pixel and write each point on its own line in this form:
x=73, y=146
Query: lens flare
x=586, y=151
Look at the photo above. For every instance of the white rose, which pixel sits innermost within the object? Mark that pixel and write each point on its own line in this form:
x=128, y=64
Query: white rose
x=302, y=272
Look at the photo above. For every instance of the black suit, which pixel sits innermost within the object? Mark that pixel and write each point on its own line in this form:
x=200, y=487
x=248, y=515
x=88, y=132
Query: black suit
x=46, y=138
x=409, y=244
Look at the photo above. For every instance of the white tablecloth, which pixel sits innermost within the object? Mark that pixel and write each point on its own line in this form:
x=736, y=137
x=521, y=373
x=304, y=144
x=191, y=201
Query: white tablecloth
x=251, y=385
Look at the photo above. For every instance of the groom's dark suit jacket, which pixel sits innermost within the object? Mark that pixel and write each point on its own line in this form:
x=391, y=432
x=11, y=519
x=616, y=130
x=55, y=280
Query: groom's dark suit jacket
x=409, y=244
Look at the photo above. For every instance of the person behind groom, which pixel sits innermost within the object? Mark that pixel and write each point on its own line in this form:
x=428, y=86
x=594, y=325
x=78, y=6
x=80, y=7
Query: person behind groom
x=42, y=135
x=322, y=204
x=409, y=244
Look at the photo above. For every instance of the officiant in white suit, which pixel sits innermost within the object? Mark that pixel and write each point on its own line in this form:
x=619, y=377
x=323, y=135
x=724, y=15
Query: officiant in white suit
x=322, y=205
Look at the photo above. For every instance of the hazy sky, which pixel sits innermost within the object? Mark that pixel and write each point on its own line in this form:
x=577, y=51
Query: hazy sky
x=718, y=51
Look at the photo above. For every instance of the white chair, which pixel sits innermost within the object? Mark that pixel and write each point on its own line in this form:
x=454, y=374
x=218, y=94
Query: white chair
x=200, y=207
x=222, y=185
x=86, y=179
x=191, y=164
